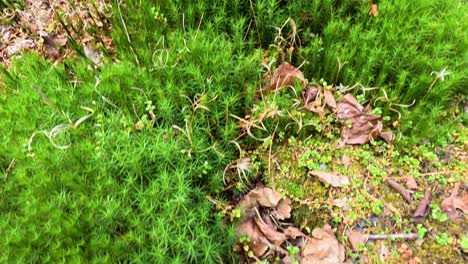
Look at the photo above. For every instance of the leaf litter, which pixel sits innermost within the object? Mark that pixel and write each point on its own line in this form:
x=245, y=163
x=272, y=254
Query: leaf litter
x=268, y=225
x=321, y=247
x=455, y=205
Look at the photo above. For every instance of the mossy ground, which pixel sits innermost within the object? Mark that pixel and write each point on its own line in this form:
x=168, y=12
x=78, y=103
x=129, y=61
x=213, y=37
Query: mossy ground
x=285, y=168
x=132, y=184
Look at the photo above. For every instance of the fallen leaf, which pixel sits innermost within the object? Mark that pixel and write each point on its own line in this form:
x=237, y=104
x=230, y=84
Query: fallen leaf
x=360, y=126
x=356, y=239
x=294, y=232
x=323, y=248
x=270, y=234
x=285, y=76
x=283, y=209
x=250, y=228
x=330, y=178
x=341, y=203
x=422, y=210
x=411, y=183
x=260, y=196
x=451, y=204
x=329, y=99
x=309, y=94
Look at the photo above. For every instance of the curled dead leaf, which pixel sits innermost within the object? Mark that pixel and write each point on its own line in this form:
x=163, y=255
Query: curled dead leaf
x=356, y=239
x=270, y=234
x=422, y=210
x=283, y=210
x=323, y=248
x=453, y=203
x=250, y=228
x=294, y=232
x=360, y=126
x=411, y=183
x=330, y=178
x=260, y=196
x=329, y=99
x=284, y=76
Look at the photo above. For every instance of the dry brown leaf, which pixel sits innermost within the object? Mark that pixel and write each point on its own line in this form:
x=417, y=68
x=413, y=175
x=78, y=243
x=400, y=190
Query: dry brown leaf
x=360, y=126
x=309, y=94
x=323, y=248
x=451, y=204
x=411, y=183
x=294, y=232
x=330, y=178
x=422, y=210
x=329, y=99
x=250, y=228
x=260, y=196
x=285, y=76
x=341, y=203
x=283, y=210
x=270, y=234
x=355, y=239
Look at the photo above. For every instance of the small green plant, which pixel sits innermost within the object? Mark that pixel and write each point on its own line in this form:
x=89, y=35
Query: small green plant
x=464, y=242
x=443, y=239
x=293, y=250
x=437, y=214
x=421, y=230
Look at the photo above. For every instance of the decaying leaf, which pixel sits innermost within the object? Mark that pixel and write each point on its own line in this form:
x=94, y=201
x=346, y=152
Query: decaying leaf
x=453, y=203
x=309, y=94
x=285, y=76
x=323, y=248
x=250, y=228
x=411, y=183
x=294, y=232
x=283, y=210
x=260, y=196
x=422, y=210
x=329, y=99
x=270, y=234
x=341, y=203
x=356, y=239
x=360, y=126
x=330, y=178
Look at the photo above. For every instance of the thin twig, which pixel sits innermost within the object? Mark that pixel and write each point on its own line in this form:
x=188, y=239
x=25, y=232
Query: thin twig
x=393, y=236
